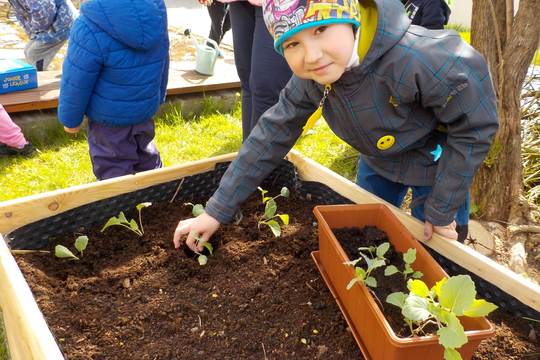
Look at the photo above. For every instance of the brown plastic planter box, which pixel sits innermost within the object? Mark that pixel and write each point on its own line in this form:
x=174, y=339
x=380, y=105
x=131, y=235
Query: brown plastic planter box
x=372, y=332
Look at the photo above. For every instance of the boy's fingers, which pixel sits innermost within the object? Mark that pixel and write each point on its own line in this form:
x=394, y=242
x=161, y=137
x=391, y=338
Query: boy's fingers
x=428, y=230
x=184, y=227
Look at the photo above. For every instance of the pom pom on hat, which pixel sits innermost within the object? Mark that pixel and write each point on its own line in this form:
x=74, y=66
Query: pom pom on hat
x=284, y=18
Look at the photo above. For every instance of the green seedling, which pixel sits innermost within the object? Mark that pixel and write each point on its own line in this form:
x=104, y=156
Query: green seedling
x=409, y=257
x=63, y=252
x=270, y=211
x=442, y=304
x=202, y=259
x=196, y=209
x=374, y=258
x=131, y=225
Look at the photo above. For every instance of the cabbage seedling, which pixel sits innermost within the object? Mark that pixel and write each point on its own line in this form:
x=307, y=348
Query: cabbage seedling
x=202, y=259
x=131, y=225
x=63, y=252
x=270, y=211
x=442, y=304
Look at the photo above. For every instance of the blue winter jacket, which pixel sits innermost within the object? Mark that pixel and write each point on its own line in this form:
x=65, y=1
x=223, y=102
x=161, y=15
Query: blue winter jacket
x=420, y=108
x=46, y=21
x=116, y=68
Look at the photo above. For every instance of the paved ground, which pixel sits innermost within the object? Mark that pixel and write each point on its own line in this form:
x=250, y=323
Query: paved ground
x=182, y=14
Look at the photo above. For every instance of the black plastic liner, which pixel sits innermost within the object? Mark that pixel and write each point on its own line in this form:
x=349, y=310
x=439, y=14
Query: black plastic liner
x=36, y=235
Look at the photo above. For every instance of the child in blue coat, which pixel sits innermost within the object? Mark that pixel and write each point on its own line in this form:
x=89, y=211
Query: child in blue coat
x=418, y=105
x=116, y=72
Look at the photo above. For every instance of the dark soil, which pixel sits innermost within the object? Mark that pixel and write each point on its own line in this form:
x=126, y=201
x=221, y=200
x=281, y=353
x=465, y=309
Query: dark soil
x=259, y=297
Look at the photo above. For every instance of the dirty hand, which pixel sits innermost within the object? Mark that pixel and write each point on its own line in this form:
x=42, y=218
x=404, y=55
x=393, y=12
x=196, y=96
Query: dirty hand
x=204, y=225
x=72, y=130
x=448, y=231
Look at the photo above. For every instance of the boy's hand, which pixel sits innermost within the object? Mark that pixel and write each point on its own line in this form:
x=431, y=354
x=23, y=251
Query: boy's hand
x=448, y=231
x=204, y=225
x=72, y=130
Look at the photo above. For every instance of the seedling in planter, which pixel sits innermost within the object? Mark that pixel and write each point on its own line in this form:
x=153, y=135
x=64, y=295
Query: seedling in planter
x=374, y=259
x=63, y=252
x=202, y=259
x=131, y=225
x=270, y=211
x=442, y=304
x=409, y=257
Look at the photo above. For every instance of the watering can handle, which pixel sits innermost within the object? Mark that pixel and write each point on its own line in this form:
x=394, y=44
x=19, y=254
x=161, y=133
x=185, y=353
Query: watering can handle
x=210, y=41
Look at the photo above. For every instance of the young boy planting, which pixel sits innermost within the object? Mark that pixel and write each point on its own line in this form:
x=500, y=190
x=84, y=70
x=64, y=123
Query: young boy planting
x=419, y=106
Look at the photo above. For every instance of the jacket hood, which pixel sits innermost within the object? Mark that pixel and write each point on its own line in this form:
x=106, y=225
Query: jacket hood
x=136, y=23
x=378, y=34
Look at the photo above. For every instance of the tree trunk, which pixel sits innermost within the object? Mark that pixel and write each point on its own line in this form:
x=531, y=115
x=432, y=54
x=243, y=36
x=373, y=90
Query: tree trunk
x=498, y=186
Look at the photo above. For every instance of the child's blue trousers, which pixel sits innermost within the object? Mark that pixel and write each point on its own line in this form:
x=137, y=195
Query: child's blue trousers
x=394, y=193
x=117, y=151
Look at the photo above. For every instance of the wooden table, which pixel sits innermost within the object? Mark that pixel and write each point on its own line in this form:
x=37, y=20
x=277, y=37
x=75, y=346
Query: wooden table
x=183, y=79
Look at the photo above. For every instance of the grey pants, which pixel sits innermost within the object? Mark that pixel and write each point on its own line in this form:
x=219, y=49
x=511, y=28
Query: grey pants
x=40, y=55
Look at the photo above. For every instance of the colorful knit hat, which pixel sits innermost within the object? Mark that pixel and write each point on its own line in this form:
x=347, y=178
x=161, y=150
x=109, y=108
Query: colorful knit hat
x=285, y=18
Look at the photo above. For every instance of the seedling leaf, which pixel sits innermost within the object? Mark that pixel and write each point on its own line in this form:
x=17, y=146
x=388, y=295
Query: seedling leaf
x=397, y=298
x=480, y=307
x=418, y=287
x=390, y=270
x=416, y=308
x=458, y=294
x=63, y=252
x=284, y=218
x=197, y=210
x=274, y=226
x=270, y=208
x=81, y=243
x=285, y=192
x=452, y=354
x=452, y=336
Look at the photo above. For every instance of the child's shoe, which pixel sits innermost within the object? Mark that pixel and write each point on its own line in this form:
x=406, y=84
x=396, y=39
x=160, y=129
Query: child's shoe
x=23, y=150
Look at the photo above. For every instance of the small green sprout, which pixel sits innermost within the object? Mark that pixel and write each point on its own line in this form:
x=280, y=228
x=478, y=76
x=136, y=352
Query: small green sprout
x=197, y=209
x=270, y=211
x=63, y=252
x=202, y=259
x=442, y=304
x=374, y=259
x=409, y=257
x=132, y=225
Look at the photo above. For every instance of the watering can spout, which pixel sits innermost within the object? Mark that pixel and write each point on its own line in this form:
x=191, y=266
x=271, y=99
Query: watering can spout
x=207, y=54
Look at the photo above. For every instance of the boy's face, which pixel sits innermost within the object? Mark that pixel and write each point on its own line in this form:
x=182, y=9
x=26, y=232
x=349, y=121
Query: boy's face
x=320, y=53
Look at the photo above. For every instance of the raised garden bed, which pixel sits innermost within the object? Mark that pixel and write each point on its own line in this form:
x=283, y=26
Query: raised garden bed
x=30, y=222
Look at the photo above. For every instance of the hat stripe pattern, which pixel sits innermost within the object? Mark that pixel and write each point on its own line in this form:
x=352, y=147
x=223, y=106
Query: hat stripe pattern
x=284, y=18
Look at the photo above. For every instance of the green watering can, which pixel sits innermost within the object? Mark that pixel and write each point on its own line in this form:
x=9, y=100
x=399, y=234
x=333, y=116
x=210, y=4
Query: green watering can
x=206, y=54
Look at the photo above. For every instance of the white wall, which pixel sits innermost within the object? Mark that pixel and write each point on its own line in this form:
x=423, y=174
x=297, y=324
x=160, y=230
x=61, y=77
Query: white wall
x=462, y=9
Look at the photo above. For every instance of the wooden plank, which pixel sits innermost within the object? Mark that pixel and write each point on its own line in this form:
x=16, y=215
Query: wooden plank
x=505, y=279
x=183, y=79
x=28, y=334
x=18, y=212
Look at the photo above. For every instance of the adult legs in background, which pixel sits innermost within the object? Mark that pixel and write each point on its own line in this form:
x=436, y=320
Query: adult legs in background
x=263, y=72
x=220, y=19
x=40, y=55
x=394, y=193
x=124, y=150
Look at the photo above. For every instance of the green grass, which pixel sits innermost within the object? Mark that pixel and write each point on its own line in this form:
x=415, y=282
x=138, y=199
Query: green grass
x=4, y=354
x=63, y=161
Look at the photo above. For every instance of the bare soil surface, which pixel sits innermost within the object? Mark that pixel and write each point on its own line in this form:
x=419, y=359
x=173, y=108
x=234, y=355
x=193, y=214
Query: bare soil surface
x=259, y=297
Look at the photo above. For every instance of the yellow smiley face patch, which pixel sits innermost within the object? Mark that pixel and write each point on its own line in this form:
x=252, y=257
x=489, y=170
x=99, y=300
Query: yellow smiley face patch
x=386, y=142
